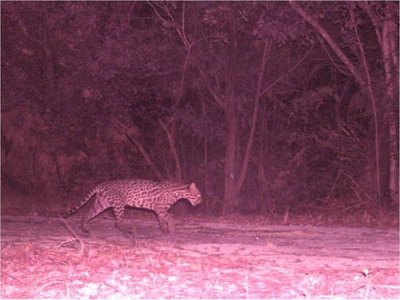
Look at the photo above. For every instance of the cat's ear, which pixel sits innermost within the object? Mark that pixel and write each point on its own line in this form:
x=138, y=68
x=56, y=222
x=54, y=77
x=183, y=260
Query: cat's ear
x=192, y=186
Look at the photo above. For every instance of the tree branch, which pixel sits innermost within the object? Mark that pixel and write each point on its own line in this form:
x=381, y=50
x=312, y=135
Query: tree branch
x=178, y=167
x=216, y=97
x=329, y=40
x=287, y=73
x=146, y=156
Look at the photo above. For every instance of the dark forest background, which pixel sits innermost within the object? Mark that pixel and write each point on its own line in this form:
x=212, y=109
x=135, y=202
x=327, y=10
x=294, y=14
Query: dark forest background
x=267, y=106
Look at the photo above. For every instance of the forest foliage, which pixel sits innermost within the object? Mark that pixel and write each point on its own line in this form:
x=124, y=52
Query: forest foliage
x=265, y=105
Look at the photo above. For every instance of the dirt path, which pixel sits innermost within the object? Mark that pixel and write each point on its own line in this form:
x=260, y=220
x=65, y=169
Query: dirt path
x=204, y=259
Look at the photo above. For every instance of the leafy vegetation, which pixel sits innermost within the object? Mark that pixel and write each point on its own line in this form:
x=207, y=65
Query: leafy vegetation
x=264, y=105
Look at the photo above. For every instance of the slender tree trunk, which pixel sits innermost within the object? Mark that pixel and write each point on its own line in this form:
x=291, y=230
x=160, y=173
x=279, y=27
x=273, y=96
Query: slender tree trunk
x=376, y=112
x=172, y=145
x=230, y=108
x=263, y=203
x=179, y=27
x=230, y=192
x=390, y=52
x=257, y=98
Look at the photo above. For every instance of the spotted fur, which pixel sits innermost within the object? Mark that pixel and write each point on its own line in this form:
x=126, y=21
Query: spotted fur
x=155, y=196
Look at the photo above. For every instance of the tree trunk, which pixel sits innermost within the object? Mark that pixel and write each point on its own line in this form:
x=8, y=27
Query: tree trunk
x=257, y=99
x=230, y=192
x=390, y=53
x=375, y=109
x=230, y=108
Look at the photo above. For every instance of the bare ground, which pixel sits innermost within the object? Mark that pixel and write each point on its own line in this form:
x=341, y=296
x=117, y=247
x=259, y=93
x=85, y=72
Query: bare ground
x=206, y=258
